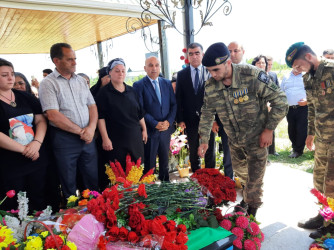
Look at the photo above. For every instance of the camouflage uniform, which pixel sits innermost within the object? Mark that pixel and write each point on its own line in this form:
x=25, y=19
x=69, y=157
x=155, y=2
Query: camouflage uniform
x=320, y=98
x=244, y=121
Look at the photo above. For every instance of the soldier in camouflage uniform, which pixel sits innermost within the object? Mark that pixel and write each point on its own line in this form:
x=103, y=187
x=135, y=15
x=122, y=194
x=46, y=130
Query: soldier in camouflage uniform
x=319, y=86
x=239, y=95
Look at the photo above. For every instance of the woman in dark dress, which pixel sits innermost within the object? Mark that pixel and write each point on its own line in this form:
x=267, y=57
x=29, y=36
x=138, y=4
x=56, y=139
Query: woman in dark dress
x=22, y=152
x=121, y=118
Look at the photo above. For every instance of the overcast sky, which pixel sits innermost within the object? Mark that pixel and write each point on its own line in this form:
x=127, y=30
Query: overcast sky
x=263, y=26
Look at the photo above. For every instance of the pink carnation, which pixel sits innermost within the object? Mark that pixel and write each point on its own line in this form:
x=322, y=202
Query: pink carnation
x=327, y=213
x=253, y=228
x=262, y=237
x=257, y=242
x=240, y=213
x=242, y=222
x=237, y=243
x=226, y=224
x=238, y=232
x=249, y=245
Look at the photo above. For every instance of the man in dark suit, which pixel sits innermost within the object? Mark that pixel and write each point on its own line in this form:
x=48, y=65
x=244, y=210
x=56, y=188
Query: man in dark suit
x=189, y=97
x=157, y=97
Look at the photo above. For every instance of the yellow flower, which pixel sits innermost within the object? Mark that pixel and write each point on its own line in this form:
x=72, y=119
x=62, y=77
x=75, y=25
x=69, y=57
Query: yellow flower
x=34, y=243
x=148, y=179
x=71, y=245
x=110, y=174
x=330, y=203
x=72, y=198
x=45, y=234
x=135, y=174
x=6, y=236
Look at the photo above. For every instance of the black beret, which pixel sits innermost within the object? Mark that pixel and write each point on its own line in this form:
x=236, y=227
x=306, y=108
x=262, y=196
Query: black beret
x=216, y=54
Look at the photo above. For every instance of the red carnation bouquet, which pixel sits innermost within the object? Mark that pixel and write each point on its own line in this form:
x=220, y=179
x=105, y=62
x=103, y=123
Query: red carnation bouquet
x=215, y=185
x=246, y=228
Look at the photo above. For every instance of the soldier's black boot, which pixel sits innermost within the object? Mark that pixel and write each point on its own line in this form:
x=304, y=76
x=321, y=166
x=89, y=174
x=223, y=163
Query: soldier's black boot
x=252, y=210
x=241, y=207
x=312, y=223
x=322, y=231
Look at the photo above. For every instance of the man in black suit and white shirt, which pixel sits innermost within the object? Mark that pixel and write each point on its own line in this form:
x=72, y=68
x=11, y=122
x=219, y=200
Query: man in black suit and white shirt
x=189, y=98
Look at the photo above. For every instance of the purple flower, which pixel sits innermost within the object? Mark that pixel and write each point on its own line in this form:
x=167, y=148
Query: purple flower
x=94, y=193
x=327, y=213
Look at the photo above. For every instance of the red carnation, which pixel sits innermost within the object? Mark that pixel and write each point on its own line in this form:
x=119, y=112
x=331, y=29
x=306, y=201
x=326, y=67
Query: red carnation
x=142, y=190
x=170, y=236
x=51, y=243
x=123, y=234
x=161, y=218
x=181, y=228
x=133, y=237
x=111, y=216
x=242, y=222
x=113, y=233
x=182, y=57
x=65, y=248
x=186, y=61
x=184, y=50
x=157, y=228
x=262, y=237
x=136, y=221
x=182, y=238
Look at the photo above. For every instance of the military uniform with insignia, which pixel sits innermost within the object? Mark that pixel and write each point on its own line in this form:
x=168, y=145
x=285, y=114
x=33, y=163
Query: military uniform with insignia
x=242, y=108
x=320, y=97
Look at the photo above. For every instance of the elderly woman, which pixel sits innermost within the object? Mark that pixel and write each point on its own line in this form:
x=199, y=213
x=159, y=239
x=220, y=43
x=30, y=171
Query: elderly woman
x=21, y=83
x=121, y=118
x=22, y=131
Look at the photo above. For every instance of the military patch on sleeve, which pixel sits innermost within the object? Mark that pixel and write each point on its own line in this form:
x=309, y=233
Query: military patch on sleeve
x=263, y=77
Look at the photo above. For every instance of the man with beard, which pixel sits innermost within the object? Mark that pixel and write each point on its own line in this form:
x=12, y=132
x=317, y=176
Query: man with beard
x=318, y=82
x=238, y=94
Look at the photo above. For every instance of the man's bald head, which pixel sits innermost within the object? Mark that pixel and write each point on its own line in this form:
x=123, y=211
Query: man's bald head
x=237, y=52
x=152, y=67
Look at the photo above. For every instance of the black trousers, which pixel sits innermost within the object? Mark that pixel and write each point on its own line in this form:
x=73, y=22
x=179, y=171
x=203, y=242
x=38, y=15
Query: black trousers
x=297, y=127
x=193, y=141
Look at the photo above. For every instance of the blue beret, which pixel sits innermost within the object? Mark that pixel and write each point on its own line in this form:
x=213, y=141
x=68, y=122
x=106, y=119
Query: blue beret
x=216, y=54
x=292, y=53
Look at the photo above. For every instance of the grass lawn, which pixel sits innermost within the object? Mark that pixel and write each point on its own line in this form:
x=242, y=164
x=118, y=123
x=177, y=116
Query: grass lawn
x=283, y=147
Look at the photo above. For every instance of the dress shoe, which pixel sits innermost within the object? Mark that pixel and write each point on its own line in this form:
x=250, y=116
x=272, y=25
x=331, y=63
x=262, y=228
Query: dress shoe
x=312, y=223
x=241, y=207
x=252, y=210
x=295, y=154
x=322, y=231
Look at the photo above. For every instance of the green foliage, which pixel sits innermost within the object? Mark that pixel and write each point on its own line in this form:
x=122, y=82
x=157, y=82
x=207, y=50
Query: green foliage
x=93, y=81
x=130, y=81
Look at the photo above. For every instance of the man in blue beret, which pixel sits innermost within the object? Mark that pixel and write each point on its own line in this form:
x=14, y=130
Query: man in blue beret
x=318, y=82
x=239, y=95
